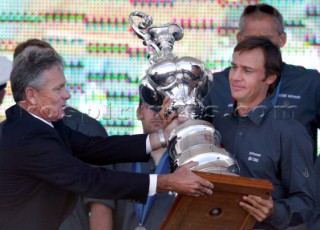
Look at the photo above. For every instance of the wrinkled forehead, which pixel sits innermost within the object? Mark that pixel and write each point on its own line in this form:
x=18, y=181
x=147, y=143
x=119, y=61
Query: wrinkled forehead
x=259, y=22
x=252, y=58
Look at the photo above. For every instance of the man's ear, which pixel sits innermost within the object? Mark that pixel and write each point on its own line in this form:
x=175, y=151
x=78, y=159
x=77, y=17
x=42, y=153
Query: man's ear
x=31, y=95
x=283, y=39
x=271, y=78
x=139, y=113
x=239, y=37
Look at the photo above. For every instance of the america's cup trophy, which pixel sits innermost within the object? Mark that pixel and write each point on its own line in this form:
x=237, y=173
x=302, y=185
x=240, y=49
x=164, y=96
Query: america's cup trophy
x=186, y=81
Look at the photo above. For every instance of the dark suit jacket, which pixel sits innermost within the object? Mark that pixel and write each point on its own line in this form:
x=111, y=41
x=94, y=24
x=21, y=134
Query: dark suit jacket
x=83, y=123
x=41, y=169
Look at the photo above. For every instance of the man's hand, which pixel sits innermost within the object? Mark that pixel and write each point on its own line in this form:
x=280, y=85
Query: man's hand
x=169, y=123
x=184, y=181
x=101, y=216
x=163, y=112
x=173, y=124
x=258, y=207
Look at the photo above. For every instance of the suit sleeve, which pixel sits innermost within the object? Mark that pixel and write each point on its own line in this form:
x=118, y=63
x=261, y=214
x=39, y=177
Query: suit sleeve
x=103, y=150
x=48, y=159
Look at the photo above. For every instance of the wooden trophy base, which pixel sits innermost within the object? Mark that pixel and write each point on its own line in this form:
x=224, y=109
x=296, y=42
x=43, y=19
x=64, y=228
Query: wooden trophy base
x=220, y=210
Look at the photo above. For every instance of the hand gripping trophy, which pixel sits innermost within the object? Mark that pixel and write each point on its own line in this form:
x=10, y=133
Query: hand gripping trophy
x=186, y=81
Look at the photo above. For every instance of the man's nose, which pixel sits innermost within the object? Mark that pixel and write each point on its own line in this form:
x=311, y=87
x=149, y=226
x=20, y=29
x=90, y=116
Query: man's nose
x=156, y=115
x=236, y=74
x=67, y=95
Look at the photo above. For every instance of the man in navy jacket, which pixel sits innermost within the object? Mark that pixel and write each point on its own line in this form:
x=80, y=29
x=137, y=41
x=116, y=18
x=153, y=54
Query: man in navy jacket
x=264, y=145
x=297, y=96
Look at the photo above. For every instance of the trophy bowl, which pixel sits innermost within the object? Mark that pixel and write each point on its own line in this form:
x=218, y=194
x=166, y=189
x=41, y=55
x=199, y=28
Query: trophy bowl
x=186, y=81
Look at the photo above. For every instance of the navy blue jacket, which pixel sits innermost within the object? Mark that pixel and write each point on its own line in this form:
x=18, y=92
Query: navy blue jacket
x=277, y=150
x=298, y=98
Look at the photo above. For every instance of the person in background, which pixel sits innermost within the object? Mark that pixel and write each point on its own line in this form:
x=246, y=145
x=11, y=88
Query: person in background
x=44, y=164
x=297, y=95
x=81, y=122
x=128, y=215
x=5, y=69
x=265, y=145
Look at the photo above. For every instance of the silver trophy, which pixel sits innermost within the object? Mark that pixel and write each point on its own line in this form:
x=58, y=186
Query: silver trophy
x=186, y=81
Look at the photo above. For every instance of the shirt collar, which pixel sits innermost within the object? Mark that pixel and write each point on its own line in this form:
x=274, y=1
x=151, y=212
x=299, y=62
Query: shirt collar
x=257, y=114
x=41, y=119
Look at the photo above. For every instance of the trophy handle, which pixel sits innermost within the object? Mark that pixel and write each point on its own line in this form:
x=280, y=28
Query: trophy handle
x=158, y=39
x=142, y=31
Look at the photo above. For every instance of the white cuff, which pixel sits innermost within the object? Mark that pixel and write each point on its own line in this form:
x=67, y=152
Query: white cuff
x=162, y=139
x=153, y=184
x=148, y=145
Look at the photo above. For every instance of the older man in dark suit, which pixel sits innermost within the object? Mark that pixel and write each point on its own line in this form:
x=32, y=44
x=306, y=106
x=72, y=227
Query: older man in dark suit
x=43, y=163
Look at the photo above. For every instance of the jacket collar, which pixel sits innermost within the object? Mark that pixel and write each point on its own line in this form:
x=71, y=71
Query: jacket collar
x=257, y=114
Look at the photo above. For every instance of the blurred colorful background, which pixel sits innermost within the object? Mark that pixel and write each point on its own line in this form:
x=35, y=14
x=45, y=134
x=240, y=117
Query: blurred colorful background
x=105, y=60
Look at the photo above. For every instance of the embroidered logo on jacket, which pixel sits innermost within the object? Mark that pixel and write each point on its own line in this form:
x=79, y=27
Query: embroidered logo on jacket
x=254, y=157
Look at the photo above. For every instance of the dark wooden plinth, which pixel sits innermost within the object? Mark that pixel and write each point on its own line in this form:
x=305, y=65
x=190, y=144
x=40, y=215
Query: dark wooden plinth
x=219, y=211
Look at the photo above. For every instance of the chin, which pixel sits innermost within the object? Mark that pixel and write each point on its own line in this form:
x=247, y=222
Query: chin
x=61, y=116
x=57, y=117
x=236, y=95
x=157, y=127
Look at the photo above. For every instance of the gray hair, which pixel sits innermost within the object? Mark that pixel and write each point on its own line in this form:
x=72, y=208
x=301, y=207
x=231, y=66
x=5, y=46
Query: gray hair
x=260, y=9
x=28, y=68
